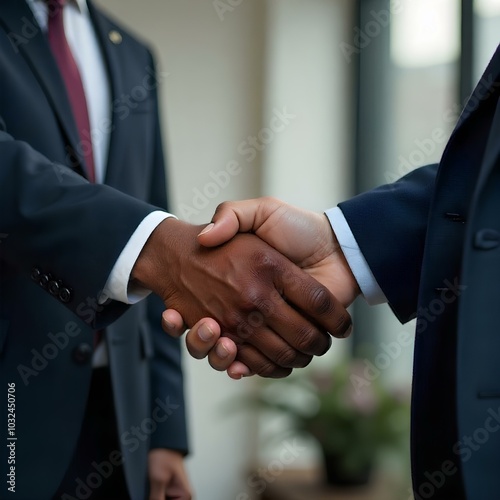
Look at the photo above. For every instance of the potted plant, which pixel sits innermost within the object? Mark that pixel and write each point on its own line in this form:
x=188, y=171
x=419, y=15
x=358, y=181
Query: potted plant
x=353, y=419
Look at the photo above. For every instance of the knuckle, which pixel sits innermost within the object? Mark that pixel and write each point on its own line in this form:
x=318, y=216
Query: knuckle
x=256, y=319
x=287, y=357
x=251, y=297
x=311, y=341
x=320, y=301
x=271, y=200
x=222, y=207
x=266, y=369
x=263, y=304
x=244, y=331
x=291, y=358
x=253, y=307
x=344, y=321
x=236, y=320
x=263, y=261
x=232, y=321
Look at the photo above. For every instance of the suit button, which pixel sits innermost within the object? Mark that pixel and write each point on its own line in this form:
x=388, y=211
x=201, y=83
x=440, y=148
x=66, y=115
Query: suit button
x=65, y=295
x=35, y=274
x=43, y=280
x=455, y=217
x=82, y=353
x=487, y=239
x=53, y=287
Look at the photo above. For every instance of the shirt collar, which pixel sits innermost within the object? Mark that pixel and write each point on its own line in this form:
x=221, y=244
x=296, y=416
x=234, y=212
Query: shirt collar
x=81, y=5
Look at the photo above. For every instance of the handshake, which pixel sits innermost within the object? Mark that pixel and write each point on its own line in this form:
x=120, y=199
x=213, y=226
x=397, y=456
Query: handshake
x=262, y=287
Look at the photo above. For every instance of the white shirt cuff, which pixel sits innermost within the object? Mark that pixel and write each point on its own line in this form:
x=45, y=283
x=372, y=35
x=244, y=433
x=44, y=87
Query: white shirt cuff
x=117, y=287
x=370, y=289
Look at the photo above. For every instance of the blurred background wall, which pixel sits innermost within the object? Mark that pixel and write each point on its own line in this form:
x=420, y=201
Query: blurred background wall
x=359, y=89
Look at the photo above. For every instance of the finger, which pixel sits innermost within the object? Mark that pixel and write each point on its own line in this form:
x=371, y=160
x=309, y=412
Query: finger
x=259, y=364
x=223, y=354
x=276, y=349
x=238, y=370
x=216, y=234
x=233, y=217
x=316, y=302
x=202, y=338
x=173, y=323
x=296, y=332
x=157, y=490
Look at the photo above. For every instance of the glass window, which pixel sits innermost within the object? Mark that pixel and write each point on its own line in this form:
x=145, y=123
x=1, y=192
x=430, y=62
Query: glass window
x=425, y=47
x=486, y=33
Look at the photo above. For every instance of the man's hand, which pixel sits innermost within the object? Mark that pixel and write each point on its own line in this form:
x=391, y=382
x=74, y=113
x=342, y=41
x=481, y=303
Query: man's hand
x=167, y=476
x=306, y=238
x=276, y=314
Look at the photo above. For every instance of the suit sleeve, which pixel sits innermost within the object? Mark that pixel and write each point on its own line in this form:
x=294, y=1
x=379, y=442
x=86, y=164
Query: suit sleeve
x=55, y=222
x=166, y=368
x=390, y=225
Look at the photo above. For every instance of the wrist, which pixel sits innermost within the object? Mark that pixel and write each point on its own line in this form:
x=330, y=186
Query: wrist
x=350, y=289
x=163, y=251
x=352, y=283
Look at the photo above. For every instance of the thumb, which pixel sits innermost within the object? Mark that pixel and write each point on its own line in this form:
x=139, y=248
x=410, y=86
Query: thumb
x=173, y=323
x=229, y=219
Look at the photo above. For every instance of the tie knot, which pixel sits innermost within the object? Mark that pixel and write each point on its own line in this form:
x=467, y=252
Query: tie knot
x=55, y=5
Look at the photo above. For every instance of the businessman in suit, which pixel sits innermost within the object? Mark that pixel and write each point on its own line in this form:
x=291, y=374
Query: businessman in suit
x=96, y=406
x=429, y=245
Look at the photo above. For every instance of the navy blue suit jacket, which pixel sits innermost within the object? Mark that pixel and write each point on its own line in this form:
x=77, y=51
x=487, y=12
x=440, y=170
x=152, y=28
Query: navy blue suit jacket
x=432, y=240
x=60, y=237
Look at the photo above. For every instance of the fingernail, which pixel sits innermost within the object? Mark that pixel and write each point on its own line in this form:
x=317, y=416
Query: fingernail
x=168, y=324
x=238, y=375
x=221, y=351
x=205, y=333
x=207, y=229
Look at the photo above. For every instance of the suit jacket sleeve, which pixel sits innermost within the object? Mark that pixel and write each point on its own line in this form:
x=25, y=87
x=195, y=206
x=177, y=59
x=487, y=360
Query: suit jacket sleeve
x=55, y=221
x=390, y=225
x=166, y=369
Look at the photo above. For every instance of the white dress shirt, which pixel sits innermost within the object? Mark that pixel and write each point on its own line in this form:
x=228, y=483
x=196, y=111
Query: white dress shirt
x=359, y=267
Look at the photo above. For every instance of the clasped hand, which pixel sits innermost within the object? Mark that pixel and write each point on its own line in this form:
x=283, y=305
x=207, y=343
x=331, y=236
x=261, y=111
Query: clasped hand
x=250, y=306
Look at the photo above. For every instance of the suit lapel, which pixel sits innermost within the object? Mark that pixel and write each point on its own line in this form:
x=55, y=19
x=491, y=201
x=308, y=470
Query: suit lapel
x=112, y=52
x=487, y=86
x=485, y=94
x=32, y=44
x=492, y=151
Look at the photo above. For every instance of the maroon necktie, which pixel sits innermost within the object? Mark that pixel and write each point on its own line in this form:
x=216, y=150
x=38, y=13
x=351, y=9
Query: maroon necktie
x=71, y=76
x=74, y=88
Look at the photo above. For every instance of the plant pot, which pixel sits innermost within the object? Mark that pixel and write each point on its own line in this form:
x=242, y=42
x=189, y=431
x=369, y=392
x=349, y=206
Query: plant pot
x=338, y=475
